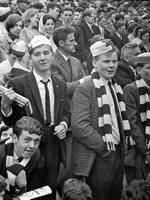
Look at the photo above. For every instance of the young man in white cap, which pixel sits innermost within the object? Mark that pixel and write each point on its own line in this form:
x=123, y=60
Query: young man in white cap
x=48, y=97
x=99, y=123
x=137, y=98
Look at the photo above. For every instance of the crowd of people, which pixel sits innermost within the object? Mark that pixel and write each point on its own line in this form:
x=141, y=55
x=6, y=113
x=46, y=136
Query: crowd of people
x=84, y=66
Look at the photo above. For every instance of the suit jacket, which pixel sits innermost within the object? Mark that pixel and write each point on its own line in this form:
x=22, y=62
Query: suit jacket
x=88, y=34
x=70, y=74
x=132, y=101
x=87, y=141
x=119, y=43
x=124, y=74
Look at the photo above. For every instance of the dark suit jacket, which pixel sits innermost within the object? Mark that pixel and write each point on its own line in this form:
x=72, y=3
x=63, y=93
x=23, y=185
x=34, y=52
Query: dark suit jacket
x=61, y=69
x=117, y=41
x=88, y=34
x=131, y=96
x=124, y=74
x=87, y=141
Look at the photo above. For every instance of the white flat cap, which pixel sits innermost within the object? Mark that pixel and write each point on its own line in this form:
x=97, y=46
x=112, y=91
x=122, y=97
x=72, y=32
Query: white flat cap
x=38, y=40
x=99, y=48
x=4, y=10
x=143, y=58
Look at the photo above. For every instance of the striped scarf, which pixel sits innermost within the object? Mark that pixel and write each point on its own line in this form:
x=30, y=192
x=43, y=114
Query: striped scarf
x=144, y=107
x=104, y=118
x=13, y=170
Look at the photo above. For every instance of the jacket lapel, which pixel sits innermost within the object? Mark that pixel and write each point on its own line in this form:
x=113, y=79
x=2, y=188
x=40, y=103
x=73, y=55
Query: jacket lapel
x=57, y=98
x=64, y=64
x=35, y=92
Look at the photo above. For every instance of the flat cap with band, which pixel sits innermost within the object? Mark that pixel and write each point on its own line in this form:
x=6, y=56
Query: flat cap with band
x=143, y=58
x=99, y=48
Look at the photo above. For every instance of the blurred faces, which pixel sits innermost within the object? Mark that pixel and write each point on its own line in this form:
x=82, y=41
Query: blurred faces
x=145, y=73
x=6, y=134
x=26, y=144
x=106, y=64
x=34, y=20
x=54, y=12
x=90, y=19
x=49, y=26
x=67, y=16
x=145, y=37
x=68, y=46
x=17, y=28
x=131, y=55
x=76, y=19
x=23, y=6
x=121, y=30
x=103, y=22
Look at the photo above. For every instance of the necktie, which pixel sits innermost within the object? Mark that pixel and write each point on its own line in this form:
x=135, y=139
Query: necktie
x=20, y=159
x=47, y=103
x=69, y=62
x=116, y=107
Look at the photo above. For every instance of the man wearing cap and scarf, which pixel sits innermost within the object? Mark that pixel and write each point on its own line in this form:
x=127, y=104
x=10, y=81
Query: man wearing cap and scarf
x=99, y=125
x=13, y=66
x=48, y=97
x=138, y=107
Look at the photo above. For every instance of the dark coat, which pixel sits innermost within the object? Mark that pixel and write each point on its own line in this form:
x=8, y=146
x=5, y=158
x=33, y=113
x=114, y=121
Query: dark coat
x=88, y=34
x=124, y=74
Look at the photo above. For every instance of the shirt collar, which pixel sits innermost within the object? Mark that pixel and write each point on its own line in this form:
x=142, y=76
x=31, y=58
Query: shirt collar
x=39, y=78
x=64, y=56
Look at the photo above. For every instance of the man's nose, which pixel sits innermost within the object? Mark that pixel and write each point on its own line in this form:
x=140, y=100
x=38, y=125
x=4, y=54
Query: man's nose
x=31, y=144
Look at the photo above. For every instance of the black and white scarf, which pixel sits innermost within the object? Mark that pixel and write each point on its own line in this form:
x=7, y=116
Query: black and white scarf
x=144, y=107
x=12, y=169
x=104, y=118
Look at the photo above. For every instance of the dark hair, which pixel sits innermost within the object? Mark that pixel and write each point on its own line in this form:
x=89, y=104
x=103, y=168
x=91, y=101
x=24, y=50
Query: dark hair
x=37, y=5
x=131, y=27
x=3, y=128
x=12, y=20
x=144, y=32
x=52, y=5
x=87, y=13
x=67, y=8
x=136, y=30
x=46, y=17
x=61, y=33
x=33, y=126
x=119, y=25
x=75, y=189
x=4, y=17
x=118, y=17
x=79, y=9
x=101, y=17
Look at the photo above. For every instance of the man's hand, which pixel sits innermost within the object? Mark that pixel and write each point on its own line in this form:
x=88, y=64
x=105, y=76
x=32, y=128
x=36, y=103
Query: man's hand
x=7, y=99
x=60, y=131
x=21, y=179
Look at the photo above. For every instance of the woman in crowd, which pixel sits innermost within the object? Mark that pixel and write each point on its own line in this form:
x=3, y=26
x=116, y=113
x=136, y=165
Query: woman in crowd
x=46, y=27
x=14, y=25
x=137, y=34
x=31, y=19
x=145, y=44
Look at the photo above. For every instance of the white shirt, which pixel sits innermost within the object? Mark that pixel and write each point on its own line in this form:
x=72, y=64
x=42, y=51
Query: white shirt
x=42, y=94
x=114, y=122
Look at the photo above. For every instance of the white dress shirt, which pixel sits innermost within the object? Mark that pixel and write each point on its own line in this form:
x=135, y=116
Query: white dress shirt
x=42, y=94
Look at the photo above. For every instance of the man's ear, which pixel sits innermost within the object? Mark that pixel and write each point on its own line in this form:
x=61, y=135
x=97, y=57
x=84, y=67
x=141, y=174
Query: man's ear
x=139, y=70
x=14, y=138
x=61, y=43
x=94, y=63
x=126, y=58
